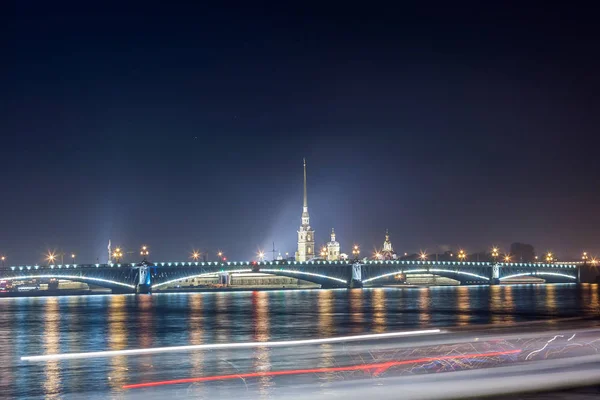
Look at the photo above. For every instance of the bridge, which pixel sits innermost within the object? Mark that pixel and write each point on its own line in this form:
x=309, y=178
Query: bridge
x=147, y=276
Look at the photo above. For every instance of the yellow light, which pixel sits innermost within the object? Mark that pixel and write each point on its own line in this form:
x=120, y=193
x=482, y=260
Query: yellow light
x=72, y=255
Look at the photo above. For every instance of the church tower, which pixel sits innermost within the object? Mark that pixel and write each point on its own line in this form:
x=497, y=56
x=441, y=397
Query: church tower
x=306, y=236
x=333, y=248
x=388, y=252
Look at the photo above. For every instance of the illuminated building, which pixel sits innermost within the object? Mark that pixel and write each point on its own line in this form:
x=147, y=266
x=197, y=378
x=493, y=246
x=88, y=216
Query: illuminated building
x=333, y=248
x=387, y=253
x=306, y=236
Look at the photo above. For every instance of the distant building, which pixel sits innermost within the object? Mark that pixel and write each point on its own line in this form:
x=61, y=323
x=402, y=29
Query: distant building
x=306, y=236
x=388, y=253
x=333, y=248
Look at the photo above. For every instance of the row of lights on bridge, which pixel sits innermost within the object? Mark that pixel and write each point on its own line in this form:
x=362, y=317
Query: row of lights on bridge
x=117, y=255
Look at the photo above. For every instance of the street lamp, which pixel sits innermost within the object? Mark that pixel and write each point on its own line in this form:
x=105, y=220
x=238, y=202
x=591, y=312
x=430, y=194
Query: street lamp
x=355, y=251
x=462, y=255
x=423, y=256
x=3, y=258
x=549, y=258
x=144, y=251
x=117, y=254
x=585, y=257
x=507, y=258
x=495, y=253
x=323, y=252
x=195, y=255
x=261, y=255
x=51, y=257
x=377, y=255
x=73, y=258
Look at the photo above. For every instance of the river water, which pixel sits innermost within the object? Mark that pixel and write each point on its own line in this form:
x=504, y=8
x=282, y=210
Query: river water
x=49, y=325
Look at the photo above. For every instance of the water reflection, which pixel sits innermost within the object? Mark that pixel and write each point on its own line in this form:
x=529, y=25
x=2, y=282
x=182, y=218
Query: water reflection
x=52, y=346
x=326, y=329
x=356, y=310
x=509, y=304
x=550, y=296
x=117, y=340
x=463, y=305
x=196, y=333
x=379, y=311
x=424, y=305
x=262, y=356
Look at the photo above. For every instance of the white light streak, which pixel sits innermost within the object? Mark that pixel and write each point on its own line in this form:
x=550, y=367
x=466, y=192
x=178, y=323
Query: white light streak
x=171, y=349
x=72, y=277
x=546, y=345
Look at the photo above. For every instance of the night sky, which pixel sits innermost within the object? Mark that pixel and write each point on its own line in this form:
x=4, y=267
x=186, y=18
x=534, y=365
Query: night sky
x=184, y=126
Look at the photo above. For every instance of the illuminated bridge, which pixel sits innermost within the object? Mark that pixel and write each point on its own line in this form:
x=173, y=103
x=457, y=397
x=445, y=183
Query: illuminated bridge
x=146, y=276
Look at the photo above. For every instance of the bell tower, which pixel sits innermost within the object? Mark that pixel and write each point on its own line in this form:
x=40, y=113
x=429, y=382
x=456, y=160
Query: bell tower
x=306, y=236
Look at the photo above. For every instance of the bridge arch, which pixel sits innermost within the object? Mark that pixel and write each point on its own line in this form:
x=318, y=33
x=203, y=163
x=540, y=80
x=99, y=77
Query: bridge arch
x=97, y=281
x=307, y=276
x=446, y=272
x=536, y=273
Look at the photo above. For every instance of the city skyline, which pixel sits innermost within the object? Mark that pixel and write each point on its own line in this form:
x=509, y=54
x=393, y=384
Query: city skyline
x=446, y=137
x=128, y=254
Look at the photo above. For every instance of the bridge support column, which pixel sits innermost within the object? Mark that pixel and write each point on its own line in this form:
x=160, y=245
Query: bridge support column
x=356, y=279
x=495, y=275
x=144, y=285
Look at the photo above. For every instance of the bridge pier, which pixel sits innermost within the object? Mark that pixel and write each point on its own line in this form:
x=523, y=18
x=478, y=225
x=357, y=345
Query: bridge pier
x=356, y=278
x=495, y=275
x=144, y=284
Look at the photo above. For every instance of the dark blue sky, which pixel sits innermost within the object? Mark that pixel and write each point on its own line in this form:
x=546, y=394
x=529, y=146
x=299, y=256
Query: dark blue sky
x=184, y=126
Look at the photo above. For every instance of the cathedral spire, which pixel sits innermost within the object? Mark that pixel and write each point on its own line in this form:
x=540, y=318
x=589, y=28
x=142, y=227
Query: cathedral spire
x=305, y=204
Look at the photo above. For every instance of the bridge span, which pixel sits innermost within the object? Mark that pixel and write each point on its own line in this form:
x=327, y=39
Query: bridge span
x=146, y=276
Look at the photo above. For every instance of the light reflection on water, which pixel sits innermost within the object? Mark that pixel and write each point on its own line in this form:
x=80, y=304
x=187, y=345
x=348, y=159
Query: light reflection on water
x=70, y=324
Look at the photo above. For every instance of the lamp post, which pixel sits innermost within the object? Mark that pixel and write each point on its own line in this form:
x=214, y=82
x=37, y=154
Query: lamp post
x=261, y=256
x=323, y=252
x=585, y=257
x=356, y=252
x=73, y=258
x=495, y=254
x=51, y=258
x=549, y=258
x=462, y=255
x=507, y=258
x=3, y=259
x=144, y=252
x=423, y=256
x=117, y=254
x=195, y=255
x=220, y=255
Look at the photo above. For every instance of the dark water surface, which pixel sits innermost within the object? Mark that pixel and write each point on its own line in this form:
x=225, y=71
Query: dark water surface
x=49, y=325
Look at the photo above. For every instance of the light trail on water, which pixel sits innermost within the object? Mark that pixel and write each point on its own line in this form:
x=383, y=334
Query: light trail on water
x=377, y=368
x=172, y=349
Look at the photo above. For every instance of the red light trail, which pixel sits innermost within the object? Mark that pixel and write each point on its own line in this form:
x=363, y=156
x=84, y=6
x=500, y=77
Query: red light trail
x=378, y=368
